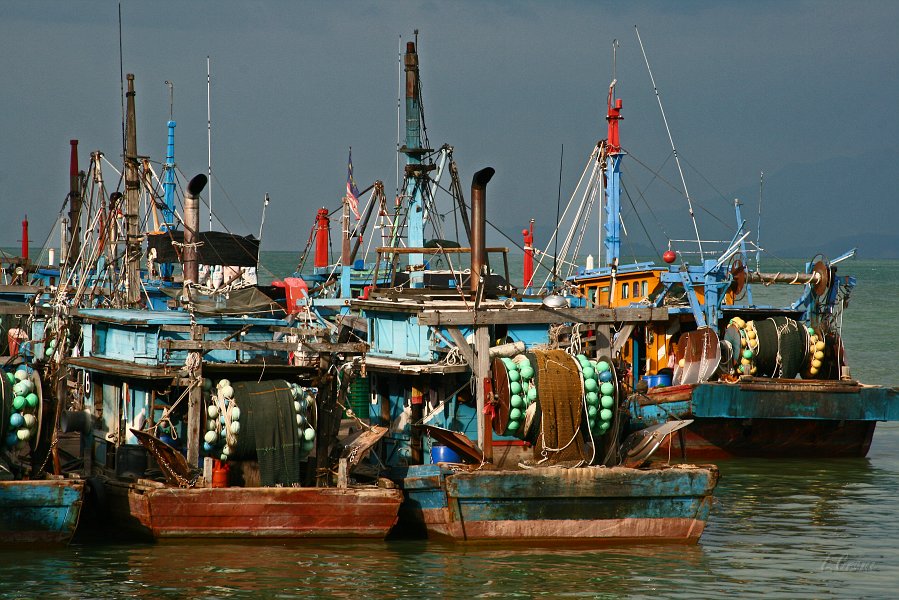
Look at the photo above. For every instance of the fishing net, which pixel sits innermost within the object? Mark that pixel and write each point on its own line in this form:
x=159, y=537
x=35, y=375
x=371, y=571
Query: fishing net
x=560, y=393
x=269, y=431
x=782, y=347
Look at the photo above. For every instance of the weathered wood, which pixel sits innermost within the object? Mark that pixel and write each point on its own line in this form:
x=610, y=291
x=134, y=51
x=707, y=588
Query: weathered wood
x=519, y=316
x=462, y=344
x=358, y=446
x=481, y=372
x=39, y=511
x=254, y=513
x=351, y=348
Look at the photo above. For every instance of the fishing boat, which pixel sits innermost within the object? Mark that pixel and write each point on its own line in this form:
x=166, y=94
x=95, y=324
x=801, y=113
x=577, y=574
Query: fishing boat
x=40, y=503
x=496, y=427
x=754, y=379
x=174, y=456
x=211, y=414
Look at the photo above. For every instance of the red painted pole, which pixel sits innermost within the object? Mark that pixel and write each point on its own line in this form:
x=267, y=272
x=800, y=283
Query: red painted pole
x=322, y=238
x=528, y=275
x=25, y=238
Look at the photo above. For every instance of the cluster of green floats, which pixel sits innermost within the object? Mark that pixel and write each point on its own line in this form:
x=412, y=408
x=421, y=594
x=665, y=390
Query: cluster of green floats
x=598, y=391
x=22, y=403
x=223, y=419
x=599, y=387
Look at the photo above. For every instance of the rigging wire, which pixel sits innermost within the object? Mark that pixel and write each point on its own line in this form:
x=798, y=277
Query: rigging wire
x=671, y=139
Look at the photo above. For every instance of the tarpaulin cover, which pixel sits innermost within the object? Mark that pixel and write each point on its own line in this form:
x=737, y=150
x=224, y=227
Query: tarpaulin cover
x=215, y=248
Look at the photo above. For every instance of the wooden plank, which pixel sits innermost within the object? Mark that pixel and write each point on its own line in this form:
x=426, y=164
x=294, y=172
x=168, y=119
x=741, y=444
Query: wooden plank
x=462, y=344
x=520, y=316
x=357, y=447
x=351, y=348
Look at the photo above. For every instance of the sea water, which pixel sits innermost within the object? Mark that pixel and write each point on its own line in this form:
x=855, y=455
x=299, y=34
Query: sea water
x=778, y=528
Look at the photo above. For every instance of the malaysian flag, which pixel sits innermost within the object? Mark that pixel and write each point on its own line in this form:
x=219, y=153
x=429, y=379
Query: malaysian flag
x=352, y=192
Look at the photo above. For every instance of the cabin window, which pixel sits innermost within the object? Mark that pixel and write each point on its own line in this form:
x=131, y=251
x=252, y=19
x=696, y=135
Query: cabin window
x=625, y=291
x=644, y=288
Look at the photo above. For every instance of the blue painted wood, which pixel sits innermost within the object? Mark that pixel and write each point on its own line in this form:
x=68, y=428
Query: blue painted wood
x=39, y=511
x=452, y=504
x=730, y=401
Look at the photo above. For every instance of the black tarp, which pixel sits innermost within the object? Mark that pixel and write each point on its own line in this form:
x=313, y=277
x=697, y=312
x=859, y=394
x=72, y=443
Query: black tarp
x=215, y=248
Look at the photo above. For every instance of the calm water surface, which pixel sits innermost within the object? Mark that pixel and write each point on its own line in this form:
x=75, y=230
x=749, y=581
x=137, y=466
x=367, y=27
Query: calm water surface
x=780, y=528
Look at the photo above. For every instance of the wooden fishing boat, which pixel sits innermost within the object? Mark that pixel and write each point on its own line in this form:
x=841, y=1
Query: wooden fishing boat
x=593, y=504
x=39, y=503
x=494, y=430
x=39, y=511
x=754, y=379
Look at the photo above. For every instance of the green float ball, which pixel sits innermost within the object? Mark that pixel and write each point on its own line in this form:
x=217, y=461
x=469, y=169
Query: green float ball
x=19, y=389
x=18, y=402
x=10, y=377
x=605, y=414
x=309, y=434
x=602, y=366
x=512, y=426
x=590, y=385
x=510, y=364
x=607, y=402
x=31, y=399
x=515, y=415
x=747, y=353
x=581, y=357
x=607, y=388
x=527, y=372
x=532, y=393
x=515, y=387
x=592, y=398
x=591, y=411
x=516, y=401
x=589, y=373
x=514, y=375
x=604, y=426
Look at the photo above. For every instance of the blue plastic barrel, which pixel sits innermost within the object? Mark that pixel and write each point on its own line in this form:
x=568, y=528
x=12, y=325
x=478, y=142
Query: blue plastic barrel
x=444, y=454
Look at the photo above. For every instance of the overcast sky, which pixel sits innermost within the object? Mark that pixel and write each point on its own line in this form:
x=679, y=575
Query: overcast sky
x=748, y=86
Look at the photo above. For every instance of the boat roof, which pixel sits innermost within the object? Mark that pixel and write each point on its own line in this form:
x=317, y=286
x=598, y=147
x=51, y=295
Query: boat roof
x=163, y=317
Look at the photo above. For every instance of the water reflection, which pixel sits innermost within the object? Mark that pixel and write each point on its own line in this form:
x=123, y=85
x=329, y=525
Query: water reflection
x=797, y=528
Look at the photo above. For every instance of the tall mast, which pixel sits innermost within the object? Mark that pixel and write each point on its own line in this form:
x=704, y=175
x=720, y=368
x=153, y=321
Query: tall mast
x=168, y=185
x=75, y=200
x=132, y=200
x=413, y=152
x=209, y=138
x=613, y=180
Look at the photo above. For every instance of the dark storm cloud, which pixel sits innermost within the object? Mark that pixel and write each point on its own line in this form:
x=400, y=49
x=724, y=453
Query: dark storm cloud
x=747, y=86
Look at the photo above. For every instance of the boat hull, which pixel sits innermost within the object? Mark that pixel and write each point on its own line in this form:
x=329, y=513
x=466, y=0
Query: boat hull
x=594, y=505
x=40, y=511
x=161, y=513
x=773, y=418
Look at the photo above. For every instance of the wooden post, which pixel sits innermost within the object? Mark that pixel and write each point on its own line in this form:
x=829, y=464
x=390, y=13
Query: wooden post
x=417, y=405
x=482, y=371
x=195, y=402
